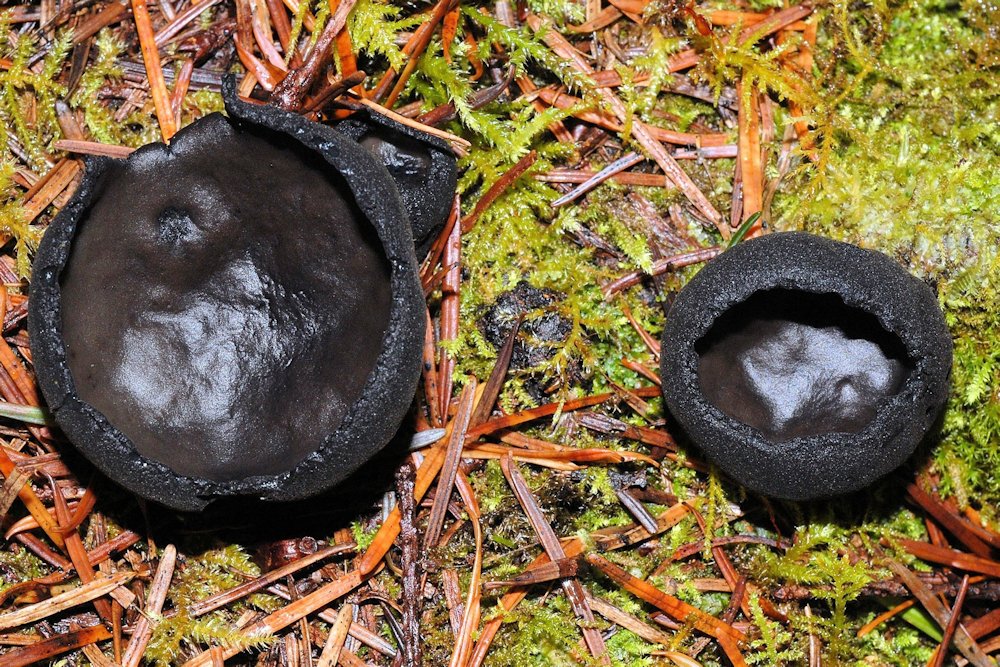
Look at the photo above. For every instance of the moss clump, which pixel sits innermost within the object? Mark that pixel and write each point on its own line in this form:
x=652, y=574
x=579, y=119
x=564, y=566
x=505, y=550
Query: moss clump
x=196, y=578
x=915, y=178
x=903, y=105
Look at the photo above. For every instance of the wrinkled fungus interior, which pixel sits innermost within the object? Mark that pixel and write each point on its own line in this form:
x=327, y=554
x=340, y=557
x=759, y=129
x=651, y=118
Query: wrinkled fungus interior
x=407, y=159
x=224, y=302
x=794, y=364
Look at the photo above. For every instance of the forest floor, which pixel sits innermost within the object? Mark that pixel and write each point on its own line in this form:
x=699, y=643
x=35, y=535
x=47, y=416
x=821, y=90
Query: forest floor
x=565, y=520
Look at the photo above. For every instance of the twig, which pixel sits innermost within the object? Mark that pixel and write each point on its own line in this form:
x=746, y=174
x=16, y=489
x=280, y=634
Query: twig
x=179, y=22
x=338, y=635
x=583, y=175
x=291, y=90
x=494, y=384
x=725, y=634
x=507, y=421
x=449, y=470
x=954, y=524
x=51, y=186
x=937, y=660
x=415, y=45
x=966, y=644
x=411, y=647
x=660, y=267
x=497, y=189
x=565, y=50
x=554, y=550
x=323, y=596
x=143, y=630
x=429, y=368
x=572, y=547
x=775, y=22
x=750, y=158
x=550, y=571
x=951, y=557
x=628, y=621
x=77, y=552
x=610, y=539
x=226, y=597
x=181, y=85
x=619, y=165
x=154, y=72
x=472, y=614
x=39, y=652
x=451, y=286
x=91, y=590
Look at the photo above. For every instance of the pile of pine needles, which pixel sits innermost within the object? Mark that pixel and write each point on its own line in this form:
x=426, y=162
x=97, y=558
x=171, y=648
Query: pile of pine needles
x=428, y=575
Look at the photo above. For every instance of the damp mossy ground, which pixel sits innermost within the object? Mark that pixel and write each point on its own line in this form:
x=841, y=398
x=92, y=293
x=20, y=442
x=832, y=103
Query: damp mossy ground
x=904, y=101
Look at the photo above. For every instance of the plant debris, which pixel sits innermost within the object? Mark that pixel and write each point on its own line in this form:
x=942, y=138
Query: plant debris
x=538, y=510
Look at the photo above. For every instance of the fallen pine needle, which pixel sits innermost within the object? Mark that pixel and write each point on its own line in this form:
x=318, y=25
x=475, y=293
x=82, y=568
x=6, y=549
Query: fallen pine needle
x=92, y=590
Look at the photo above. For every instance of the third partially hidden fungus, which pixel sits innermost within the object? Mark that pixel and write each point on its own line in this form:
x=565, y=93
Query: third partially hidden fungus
x=805, y=367
x=237, y=313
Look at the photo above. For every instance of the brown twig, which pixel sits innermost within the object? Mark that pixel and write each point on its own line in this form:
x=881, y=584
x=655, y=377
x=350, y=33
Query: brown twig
x=656, y=151
x=411, y=647
x=937, y=660
x=289, y=93
x=337, y=637
x=498, y=188
x=414, y=47
x=92, y=590
x=966, y=644
x=750, y=156
x=39, y=652
x=229, y=596
x=547, y=537
x=449, y=470
x=154, y=71
x=660, y=267
x=673, y=607
x=547, y=410
x=180, y=21
x=143, y=630
x=956, y=525
x=491, y=390
x=619, y=165
x=451, y=286
x=951, y=557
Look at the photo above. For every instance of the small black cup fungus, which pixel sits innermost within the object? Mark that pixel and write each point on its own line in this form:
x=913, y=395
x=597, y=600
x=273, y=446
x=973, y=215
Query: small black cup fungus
x=805, y=367
x=237, y=313
x=422, y=165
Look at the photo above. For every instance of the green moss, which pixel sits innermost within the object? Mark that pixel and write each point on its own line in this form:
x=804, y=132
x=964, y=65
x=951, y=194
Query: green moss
x=915, y=178
x=540, y=632
x=775, y=646
x=19, y=565
x=903, y=102
x=195, y=578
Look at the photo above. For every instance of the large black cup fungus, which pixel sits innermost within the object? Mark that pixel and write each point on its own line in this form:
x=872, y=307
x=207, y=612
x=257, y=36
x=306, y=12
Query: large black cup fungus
x=805, y=367
x=237, y=313
x=422, y=165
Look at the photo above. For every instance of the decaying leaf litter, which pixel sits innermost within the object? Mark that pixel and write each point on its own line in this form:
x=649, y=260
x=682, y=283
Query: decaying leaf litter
x=547, y=515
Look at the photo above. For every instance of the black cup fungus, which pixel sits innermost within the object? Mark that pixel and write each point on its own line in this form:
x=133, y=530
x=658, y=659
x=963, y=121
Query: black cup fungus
x=422, y=165
x=805, y=367
x=237, y=313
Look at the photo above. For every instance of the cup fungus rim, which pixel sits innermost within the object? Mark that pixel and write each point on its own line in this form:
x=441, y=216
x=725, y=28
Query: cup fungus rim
x=373, y=417
x=443, y=166
x=824, y=464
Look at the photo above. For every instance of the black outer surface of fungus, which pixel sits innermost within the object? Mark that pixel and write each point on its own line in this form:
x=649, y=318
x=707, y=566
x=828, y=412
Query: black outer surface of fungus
x=824, y=364
x=422, y=165
x=261, y=298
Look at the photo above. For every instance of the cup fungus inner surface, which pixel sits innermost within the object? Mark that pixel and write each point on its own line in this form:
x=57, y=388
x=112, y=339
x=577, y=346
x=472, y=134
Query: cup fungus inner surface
x=794, y=364
x=224, y=302
x=406, y=159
